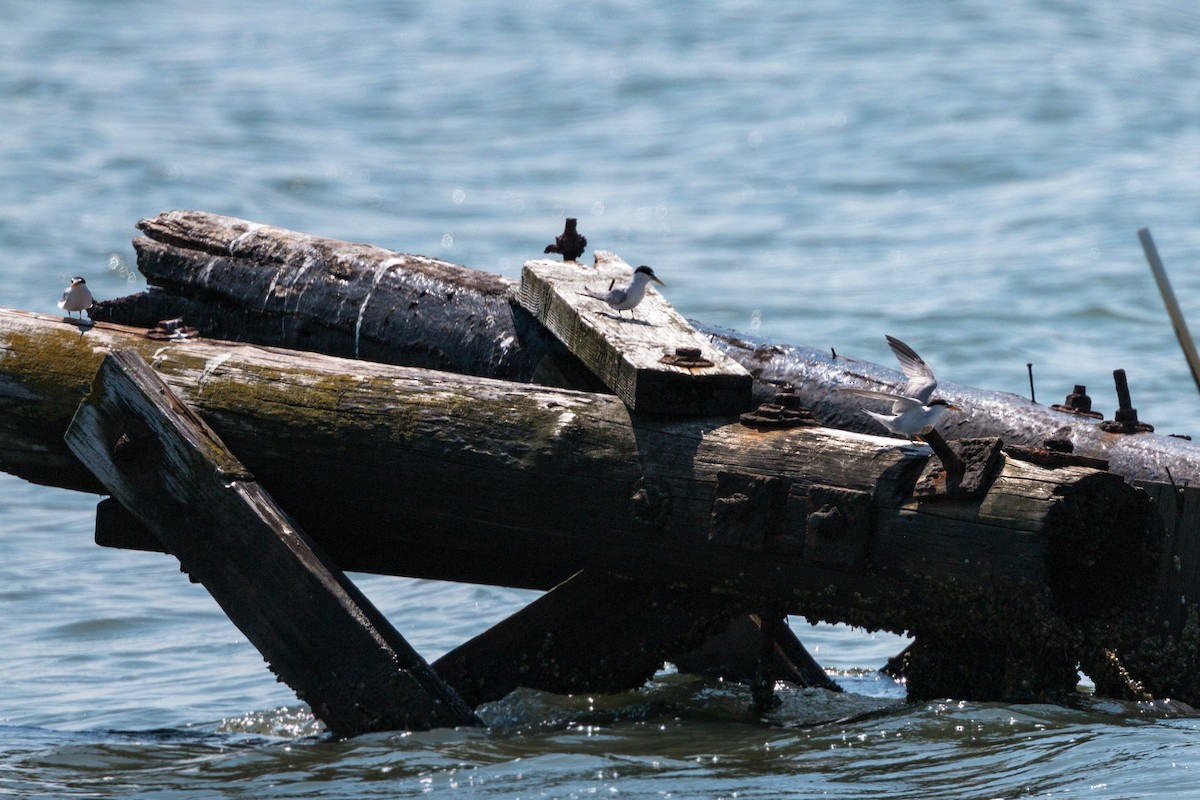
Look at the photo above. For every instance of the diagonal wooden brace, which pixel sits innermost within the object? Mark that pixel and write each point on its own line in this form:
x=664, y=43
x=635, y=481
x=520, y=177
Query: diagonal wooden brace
x=316, y=630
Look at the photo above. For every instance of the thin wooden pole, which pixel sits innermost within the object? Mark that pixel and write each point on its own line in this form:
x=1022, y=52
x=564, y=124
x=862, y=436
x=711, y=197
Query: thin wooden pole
x=1168, y=296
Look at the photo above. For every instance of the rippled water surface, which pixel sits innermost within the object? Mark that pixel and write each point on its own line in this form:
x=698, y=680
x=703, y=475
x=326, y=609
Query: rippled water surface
x=968, y=176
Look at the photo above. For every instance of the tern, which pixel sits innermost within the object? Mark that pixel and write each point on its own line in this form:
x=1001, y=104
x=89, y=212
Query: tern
x=76, y=297
x=625, y=298
x=915, y=411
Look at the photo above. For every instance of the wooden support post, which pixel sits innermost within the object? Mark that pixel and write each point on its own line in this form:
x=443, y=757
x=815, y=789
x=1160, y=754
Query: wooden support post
x=656, y=362
x=592, y=633
x=733, y=655
x=316, y=630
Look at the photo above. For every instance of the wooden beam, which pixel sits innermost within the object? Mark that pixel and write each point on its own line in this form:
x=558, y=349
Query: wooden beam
x=635, y=356
x=592, y=633
x=562, y=478
x=312, y=625
x=817, y=522
x=733, y=655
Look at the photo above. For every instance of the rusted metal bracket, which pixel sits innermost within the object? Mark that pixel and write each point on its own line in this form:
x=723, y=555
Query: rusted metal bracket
x=838, y=525
x=785, y=412
x=172, y=329
x=747, y=510
x=1051, y=457
x=973, y=465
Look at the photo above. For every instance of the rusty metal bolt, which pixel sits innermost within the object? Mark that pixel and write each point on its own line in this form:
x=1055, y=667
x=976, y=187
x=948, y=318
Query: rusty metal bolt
x=1078, y=402
x=1126, y=418
x=786, y=412
x=686, y=357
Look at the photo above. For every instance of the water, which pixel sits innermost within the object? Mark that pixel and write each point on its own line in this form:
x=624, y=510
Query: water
x=967, y=176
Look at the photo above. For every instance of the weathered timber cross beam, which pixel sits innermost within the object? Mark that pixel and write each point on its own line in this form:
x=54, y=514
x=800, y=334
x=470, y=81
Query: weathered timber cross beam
x=321, y=635
x=819, y=522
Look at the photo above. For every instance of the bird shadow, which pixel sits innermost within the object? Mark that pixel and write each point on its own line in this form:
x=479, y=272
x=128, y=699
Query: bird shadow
x=633, y=320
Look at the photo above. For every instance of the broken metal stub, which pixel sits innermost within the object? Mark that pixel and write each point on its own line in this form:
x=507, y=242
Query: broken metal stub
x=172, y=329
x=1126, y=418
x=838, y=525
x=650, y=502
x=570, y=244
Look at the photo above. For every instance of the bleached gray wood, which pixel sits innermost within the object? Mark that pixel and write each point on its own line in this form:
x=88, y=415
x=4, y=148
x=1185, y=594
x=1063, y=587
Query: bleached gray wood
x=625, y=349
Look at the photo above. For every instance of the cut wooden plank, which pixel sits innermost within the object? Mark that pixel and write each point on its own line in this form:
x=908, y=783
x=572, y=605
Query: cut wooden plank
x=312, y=625
x=626, y=350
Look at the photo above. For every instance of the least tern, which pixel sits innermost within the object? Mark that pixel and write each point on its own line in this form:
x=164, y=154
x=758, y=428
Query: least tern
x=915, y=411
x=625, y=298
x=76, y=297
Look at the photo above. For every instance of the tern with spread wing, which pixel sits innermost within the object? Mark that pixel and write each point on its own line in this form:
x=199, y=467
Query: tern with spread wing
x=915, y=411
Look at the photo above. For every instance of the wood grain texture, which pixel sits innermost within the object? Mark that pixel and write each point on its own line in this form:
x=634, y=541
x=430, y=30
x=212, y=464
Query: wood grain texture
x=440, y=475
x=315, y=629
x=625, y=350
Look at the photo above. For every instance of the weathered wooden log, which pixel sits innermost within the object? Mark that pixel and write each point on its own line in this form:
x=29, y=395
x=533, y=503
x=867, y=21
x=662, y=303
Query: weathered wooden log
x=312, y=625
x=299, y=291
x=819, y=522
x=605, y=479
x=243, y=281
x=173, y=256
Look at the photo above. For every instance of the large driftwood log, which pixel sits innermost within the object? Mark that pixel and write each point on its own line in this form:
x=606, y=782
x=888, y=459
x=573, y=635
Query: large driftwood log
x=377, y=460
x=244, y=281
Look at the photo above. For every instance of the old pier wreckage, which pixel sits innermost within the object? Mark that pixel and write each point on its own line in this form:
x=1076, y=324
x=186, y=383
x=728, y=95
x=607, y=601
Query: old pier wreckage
x=327, y=406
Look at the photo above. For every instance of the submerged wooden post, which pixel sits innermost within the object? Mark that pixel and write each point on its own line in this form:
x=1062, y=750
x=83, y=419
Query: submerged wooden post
x=592, y=633
x=312, y=625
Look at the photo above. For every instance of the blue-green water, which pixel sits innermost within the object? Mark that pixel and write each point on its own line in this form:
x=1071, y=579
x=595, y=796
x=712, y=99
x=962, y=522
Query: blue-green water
x=968, y=176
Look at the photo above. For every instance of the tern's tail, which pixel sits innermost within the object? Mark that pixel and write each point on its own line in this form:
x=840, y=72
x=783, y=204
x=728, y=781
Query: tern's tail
x=595, y=295
x=883, y=419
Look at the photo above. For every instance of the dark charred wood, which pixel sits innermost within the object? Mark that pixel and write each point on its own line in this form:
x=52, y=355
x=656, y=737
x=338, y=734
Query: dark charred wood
x=733, y=655
x=315, y=629
x=593, y=633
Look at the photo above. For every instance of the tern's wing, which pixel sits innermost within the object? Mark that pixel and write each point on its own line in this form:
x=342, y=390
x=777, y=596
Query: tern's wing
x=605, y=296
x=900, y=403
x=66, y=292
x=921, y=382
